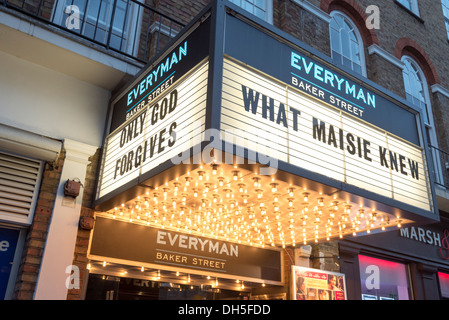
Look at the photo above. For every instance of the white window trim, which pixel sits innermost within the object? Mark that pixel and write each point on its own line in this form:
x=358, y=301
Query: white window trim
x=359, y=38
x=375, y=49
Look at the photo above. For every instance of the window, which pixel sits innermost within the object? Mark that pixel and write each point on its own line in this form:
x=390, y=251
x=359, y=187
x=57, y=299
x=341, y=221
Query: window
x=417, y=93
x=260, y=8
x=346, y=43
x=383, y=279
x=444, y=284
x=445, y=4
x=415, y=86
x=97, y=18
x=411, y=5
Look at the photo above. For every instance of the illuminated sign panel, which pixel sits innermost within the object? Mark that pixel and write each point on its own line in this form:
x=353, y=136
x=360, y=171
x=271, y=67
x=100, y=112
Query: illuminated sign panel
x=305, y=132
x=310, y=74
x=161, y=75
x=158, y=132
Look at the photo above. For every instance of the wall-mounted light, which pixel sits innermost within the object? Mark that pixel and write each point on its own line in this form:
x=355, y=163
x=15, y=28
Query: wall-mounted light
x=72, y=188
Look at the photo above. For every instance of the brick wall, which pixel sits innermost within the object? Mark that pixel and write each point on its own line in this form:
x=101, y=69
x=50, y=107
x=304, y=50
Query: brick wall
x=37, y=234
x=83, y=236
x=301, y=24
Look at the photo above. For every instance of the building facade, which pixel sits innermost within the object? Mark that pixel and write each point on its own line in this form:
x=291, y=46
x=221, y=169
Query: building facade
x=106, y=105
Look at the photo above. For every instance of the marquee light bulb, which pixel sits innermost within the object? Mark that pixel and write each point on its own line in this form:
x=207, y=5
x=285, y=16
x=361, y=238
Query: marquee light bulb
x=256, y=182
x=306, y=196
x=320, y=201
x=290, y=191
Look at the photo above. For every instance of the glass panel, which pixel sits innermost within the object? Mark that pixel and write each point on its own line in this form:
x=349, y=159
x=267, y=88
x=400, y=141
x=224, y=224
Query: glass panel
x=383, y=279
x=256, y=7
x=347, y=62
x=248, y=6
x=335, y=40
x=345, y=44
x=406, y=3
x=355, y=52
x=259, y=13
x=357, y=68
x=337, y=57
x=262, y=4
x=444, y=284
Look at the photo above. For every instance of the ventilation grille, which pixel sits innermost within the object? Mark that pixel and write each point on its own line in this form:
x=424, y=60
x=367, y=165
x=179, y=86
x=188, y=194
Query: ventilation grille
x=19, y=182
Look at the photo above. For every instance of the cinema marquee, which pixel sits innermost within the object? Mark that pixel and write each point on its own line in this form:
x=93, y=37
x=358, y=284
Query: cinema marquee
x=350, y=156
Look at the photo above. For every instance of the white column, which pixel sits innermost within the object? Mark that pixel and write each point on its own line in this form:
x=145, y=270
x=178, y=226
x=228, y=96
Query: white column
x=61, y=238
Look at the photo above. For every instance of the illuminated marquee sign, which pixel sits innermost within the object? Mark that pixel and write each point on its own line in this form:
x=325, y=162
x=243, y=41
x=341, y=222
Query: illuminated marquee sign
x=157, y=133
x=160, y=112
x=309, y=134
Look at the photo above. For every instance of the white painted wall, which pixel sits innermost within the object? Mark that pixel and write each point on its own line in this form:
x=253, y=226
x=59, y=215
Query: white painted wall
x=50, y=103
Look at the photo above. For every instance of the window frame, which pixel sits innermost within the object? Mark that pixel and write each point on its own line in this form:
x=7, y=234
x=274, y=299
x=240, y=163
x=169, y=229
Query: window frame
x=412, y=6
x=359, y=40
x=268, y=9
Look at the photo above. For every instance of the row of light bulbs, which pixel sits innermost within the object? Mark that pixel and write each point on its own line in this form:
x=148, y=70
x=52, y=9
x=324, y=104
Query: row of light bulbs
x=240, y=208
x=158, y=277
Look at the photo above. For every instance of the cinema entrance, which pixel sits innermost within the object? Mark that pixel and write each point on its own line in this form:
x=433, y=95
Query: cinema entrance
x=168, y=285
x=212, y=172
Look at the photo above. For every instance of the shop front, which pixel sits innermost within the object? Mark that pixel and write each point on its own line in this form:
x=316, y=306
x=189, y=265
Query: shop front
x=407, y=264
x=236, y=144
